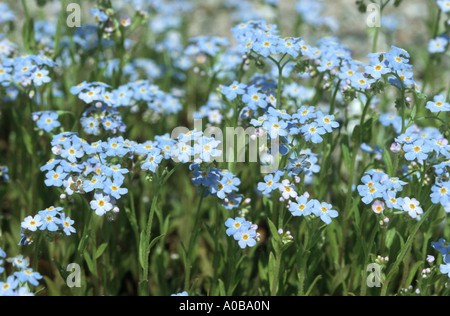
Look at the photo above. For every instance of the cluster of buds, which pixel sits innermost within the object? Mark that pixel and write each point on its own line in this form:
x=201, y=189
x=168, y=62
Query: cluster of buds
x=381, y=260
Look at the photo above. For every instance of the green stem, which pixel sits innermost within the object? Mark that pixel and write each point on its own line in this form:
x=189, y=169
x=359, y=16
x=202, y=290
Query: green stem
x=193, y=237
x=144, y=289
x=333, y=99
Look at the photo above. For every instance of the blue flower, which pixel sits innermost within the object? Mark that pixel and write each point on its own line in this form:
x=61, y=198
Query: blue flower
x=326, y=121
x=442, y=246
x=234, y=225
x=377, y=70
x=28, y=276
x=437, y=45
x=7, y=288
x=115, y=171
x=40, y=76
x=390, y=197
x=418, y=150
x=271, y=183
x=441, y=193
x=444, y=5
x=102, y=204
x=301, y=207
x=253, y=99
x=113, y=189
x=438, y=104
x=371, y=190
x=49, y=220
x=246, y=237
x=73, y=152
x=232, y=201
x=99, y=15
x=66, y=224
x=325, y=212
x=359, y=81
x=312, y=132
x=48, y=121
x=55, y=178
x=233, y=90
x=445, y=268
x=153, y=160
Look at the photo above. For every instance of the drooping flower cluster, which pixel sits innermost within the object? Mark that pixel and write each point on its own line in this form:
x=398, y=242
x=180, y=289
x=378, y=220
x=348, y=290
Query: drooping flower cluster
x=21, y=281
x=52, y=220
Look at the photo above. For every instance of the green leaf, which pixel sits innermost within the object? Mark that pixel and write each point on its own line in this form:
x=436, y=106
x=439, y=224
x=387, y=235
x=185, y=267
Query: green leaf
x=346, y=155
x=27, y=141
x=155, y=240
x=100, y=250
x=390, y=235
x=222, y=291
x=276, y=238
x=413, y=272
x=274, y=231
x=271, y=268
x=388, y=161
x=90, y=263
x=62, y=271
x=356, y=134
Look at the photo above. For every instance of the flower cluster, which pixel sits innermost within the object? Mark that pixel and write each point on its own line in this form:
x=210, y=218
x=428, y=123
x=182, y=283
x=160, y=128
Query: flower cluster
x=263, y=39
x=26, y=70
x=21, y=281
x=444, y=248
x=381, y=189
x=99, y=167
x=52, y=220
x=304, y=207
x=218, y=182
x=423, y=144
x=244, y=232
